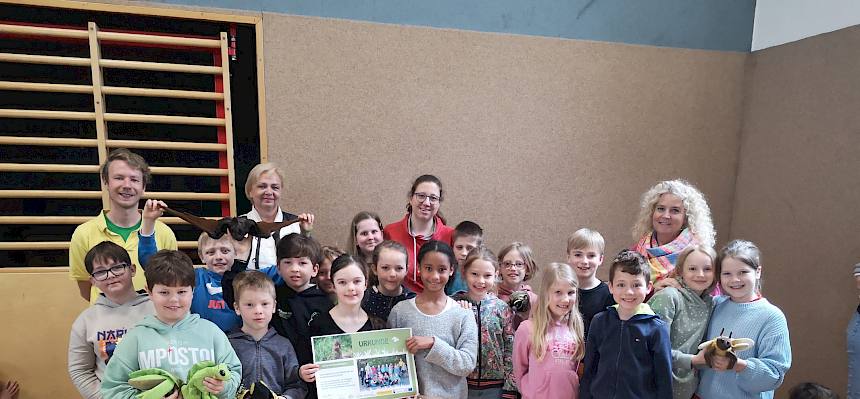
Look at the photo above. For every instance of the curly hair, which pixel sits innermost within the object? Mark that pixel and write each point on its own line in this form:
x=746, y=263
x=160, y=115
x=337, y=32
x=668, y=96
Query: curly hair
x=697, y=217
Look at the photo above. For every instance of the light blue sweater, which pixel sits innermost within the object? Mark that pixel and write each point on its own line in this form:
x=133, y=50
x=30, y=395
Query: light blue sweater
x=767, y=361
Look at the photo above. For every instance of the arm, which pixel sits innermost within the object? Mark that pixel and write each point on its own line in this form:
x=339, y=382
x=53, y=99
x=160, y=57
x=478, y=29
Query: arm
x=146, y=247
x=152, y=210
x=77, y=251
x=82, y=362
x=766, y=371
x=124, y=361
x=293, y=387
x=508, y=336
x=522, y=347
x=224, y=353
x=459, y=360
x=665, y=304
x=662, y=360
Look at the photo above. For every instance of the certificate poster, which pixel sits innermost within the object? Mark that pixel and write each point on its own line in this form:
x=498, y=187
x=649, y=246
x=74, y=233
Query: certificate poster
x=370, y=364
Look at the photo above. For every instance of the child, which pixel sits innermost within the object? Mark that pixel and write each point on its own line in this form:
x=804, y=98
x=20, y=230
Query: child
x=323, y=279
x=444, y=335
x=387, y=289
x=496, y=332
x=265, y=355
x=298, y=301
x=173, y=339
x=208, y=299
x=516, y=266
x=100, y=327
x=548, y=347
x=348, y=273
x=687, y=311
x=811, y=390
x=365, y=234
x=467, y=236
x=628, y=350
x=585, y=254
x=745, y=314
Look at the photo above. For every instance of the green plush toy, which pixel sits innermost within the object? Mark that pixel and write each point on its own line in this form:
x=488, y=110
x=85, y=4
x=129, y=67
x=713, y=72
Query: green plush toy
x=153, y=383
x=194, y=388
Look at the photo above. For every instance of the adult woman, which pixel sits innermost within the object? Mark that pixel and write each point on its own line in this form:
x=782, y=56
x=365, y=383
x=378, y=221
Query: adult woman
x=673, y=216
x=422, y=223
x=263, y=189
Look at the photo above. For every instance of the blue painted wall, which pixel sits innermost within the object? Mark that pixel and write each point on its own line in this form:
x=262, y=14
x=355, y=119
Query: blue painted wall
x=699, y=24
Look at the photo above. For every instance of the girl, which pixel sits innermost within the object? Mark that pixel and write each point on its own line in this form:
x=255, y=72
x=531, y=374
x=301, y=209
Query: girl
x=422, y=223
x=324, y=274
x=549, y=346
x=495, y=326
x=516, y=266
x=445, y=336
x=745, y=314
x=386, y=290
x=365, y=234
x=348, y=274
x=686, y=311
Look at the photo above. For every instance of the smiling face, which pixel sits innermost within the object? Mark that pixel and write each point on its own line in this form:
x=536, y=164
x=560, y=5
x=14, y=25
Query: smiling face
x=114, y=287
x=512, y=269
x=738, y=280
x=435, y=271
x=425, y=210
x=266, y=192
x=297, y=272
x=480, y=278
x=349, y=285
x=668, y=217
x=125, y=185
x=585, y=262
x=218, y=254
x=698, y=272
x=629, y=291
x=256, y=307
x=171, y=303
x=562, y=299
x=368, y=235
x=391, y=270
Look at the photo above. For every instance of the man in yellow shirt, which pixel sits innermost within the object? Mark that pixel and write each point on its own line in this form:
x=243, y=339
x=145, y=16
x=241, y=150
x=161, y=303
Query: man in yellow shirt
x=124, y=175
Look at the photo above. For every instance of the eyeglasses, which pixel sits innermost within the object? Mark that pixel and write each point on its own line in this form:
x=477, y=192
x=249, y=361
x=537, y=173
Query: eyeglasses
x=117, y=270
x=514, y=265
x=421, y=197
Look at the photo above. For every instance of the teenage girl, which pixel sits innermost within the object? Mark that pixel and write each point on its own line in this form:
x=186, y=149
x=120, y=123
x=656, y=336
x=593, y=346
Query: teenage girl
x=386, y=281
x=348, y=274
x=744, y=313
x=549, y=346
x=444, y=335
x=365, y=233
x=687, y=310
x=516, y=266
x=494, y=316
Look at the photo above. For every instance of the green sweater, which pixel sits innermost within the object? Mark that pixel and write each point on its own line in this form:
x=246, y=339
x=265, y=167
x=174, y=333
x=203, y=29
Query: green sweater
x=176, y=348
x=687, y=315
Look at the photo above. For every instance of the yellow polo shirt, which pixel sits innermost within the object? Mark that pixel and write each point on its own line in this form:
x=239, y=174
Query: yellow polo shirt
x=95, y=231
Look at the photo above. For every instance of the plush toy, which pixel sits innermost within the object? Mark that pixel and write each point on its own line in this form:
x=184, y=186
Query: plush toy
x=258, y=390
x=194, y=388
x=725, y=346
x=519, y=302
x=153, y=383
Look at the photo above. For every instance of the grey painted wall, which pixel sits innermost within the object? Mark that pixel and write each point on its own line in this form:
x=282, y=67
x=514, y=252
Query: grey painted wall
x=700, y=24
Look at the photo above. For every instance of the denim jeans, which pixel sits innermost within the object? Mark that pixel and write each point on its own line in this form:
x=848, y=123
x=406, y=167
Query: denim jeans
x=854, y=357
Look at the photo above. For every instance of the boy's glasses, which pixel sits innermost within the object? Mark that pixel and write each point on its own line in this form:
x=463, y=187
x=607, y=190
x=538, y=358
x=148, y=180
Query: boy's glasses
x=421, y=197
x=514, y=265
x=117, y=270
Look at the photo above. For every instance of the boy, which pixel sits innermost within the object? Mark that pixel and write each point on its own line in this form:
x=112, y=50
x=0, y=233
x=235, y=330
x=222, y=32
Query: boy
x=208, y=301
x=173, y=339
x=298, y=301
x=628, y=349
x=467, y=236
x=97, y=329
x=264, y=354
x=585, y=253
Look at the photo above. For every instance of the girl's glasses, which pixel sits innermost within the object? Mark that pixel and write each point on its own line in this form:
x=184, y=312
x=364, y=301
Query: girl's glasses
x=514, y=265
x=117, y=270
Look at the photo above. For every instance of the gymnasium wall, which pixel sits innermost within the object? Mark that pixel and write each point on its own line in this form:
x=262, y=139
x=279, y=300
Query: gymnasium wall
x=797, y=192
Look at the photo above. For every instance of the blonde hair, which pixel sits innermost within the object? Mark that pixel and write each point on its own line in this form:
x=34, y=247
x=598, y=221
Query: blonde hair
x=484, y=254
x=678, y=271
x=541, y=316
x=259, y=171
x=252, y=279
x=525, y=253
x=585, y=238
x=697, y=213
x=204, y=240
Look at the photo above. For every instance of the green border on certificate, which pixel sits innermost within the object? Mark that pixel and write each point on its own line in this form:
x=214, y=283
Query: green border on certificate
x=369, y=364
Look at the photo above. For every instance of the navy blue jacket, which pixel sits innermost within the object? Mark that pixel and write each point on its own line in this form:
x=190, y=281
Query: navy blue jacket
x=627, y=358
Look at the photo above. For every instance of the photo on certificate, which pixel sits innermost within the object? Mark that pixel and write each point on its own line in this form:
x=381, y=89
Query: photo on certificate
x=370, y=364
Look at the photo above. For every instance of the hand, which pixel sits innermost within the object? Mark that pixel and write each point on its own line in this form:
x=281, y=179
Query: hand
x=153, y=209
x=666, y=282
x=465, y=304
x=699, y=359
x=308, y=372
x=720, y=363
x=415, y=344
x=306, y=222
x=213, y=385
x=9, y=390
x=175, y=395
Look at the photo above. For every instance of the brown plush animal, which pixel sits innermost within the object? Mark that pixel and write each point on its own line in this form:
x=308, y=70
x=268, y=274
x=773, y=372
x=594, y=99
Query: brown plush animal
x=726, y=347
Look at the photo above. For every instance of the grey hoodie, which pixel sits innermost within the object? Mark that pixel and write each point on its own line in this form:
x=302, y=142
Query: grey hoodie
x=94, y=336
x=272, y=359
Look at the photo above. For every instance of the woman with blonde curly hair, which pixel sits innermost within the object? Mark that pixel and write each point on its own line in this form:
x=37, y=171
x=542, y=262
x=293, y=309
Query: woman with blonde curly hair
x=673, y=215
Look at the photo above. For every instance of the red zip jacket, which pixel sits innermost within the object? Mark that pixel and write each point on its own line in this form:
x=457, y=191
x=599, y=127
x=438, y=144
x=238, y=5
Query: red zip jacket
x=399, y=231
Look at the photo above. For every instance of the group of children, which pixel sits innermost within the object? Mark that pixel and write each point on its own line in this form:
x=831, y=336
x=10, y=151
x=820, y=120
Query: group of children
x=478, y=328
